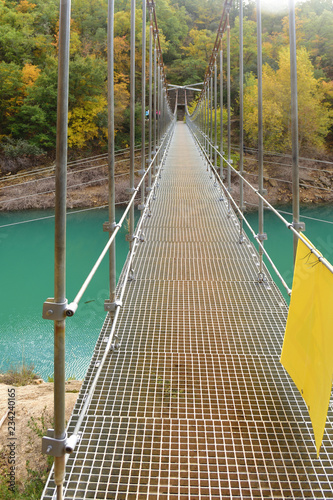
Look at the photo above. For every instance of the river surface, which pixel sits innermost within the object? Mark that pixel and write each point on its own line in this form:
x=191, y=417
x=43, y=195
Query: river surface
x=318, y=229
x=26, y=260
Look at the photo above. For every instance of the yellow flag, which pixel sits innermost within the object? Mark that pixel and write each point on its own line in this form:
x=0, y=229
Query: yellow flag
x=307, y=352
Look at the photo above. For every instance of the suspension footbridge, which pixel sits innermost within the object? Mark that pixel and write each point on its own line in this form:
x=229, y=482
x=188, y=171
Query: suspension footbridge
x=193, y=402
x=185, y=395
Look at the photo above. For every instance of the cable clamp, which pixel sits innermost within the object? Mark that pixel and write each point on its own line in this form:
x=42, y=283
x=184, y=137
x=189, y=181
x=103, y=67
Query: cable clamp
x=129, y=237
x=131, y=190
x=141, y=172
x=112, y=306
x=262, y=278
x=106, y=227
x=115, y=344
x=54, y=311
x=142, y=206
x=299, y=226
x=109, y=227
x=261, y=237
x=53, y=447
x=59, y=447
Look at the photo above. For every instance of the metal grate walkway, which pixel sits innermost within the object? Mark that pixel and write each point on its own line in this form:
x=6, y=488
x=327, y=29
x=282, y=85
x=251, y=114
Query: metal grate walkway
x=195, y=403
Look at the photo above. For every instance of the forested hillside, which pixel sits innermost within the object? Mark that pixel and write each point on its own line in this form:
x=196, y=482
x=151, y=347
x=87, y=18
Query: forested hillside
x=28, y=69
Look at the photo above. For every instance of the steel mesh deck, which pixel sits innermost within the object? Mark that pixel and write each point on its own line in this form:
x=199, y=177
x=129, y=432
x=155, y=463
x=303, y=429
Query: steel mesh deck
x=195, y=403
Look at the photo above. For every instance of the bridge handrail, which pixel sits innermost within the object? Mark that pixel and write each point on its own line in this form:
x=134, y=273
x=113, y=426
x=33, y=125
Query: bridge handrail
x=289, y=225
x=111, y=344
x=72, y=307
x=255, y=236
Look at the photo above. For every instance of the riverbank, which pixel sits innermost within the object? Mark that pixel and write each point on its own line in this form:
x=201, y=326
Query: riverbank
x=88, y=183
x=315, y=180
x=32, y=415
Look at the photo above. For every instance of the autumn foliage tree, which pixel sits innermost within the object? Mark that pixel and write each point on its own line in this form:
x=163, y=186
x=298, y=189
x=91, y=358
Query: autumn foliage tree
x=315, y=116
x=187, y=29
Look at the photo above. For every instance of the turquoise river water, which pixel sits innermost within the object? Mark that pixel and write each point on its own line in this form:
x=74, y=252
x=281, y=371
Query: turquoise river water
x=26, y=260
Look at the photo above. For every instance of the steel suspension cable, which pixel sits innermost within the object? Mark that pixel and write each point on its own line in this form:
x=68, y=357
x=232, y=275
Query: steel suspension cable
x=110, y=343
x=286, y=223
x=73, y=306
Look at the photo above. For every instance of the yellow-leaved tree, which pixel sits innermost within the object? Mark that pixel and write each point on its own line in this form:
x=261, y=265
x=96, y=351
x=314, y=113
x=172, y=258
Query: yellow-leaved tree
x=82, y=125
x=30, y=73
x=315, y=117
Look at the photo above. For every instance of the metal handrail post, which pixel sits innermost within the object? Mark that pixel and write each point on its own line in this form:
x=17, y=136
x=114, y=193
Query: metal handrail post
x=261, y=235
x=206, y=117
x=202, y=120
x=150, y=93
x=163, y=97
x=221, y=112
x=158, y=110
x=294, y=123
x=111, y=158
x=228, y=105
x=215, y=118
x=132, y=121
x=60, y=239
x=143, y=103
x=241, y=119
x=211, y=115
x=155, y=93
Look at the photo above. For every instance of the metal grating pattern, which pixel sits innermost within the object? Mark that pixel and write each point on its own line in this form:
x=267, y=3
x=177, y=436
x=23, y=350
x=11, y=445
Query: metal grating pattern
x=195, y=403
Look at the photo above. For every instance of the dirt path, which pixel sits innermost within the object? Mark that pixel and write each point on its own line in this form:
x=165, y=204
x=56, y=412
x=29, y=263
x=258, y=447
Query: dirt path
x=33, y=407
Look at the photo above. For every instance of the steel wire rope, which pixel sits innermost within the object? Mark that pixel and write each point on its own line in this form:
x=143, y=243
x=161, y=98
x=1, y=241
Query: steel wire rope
x=289, y=213
x=290, y=182
x=231, y=199
x=286, y=165
x=69, y=173
x=289, y=165
x=74, y=186
x=128, y=263
x=286, y=223
x=52, y=216
x=284, y=155
x=83, y=288
x=164, y=136
x=52, y=168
